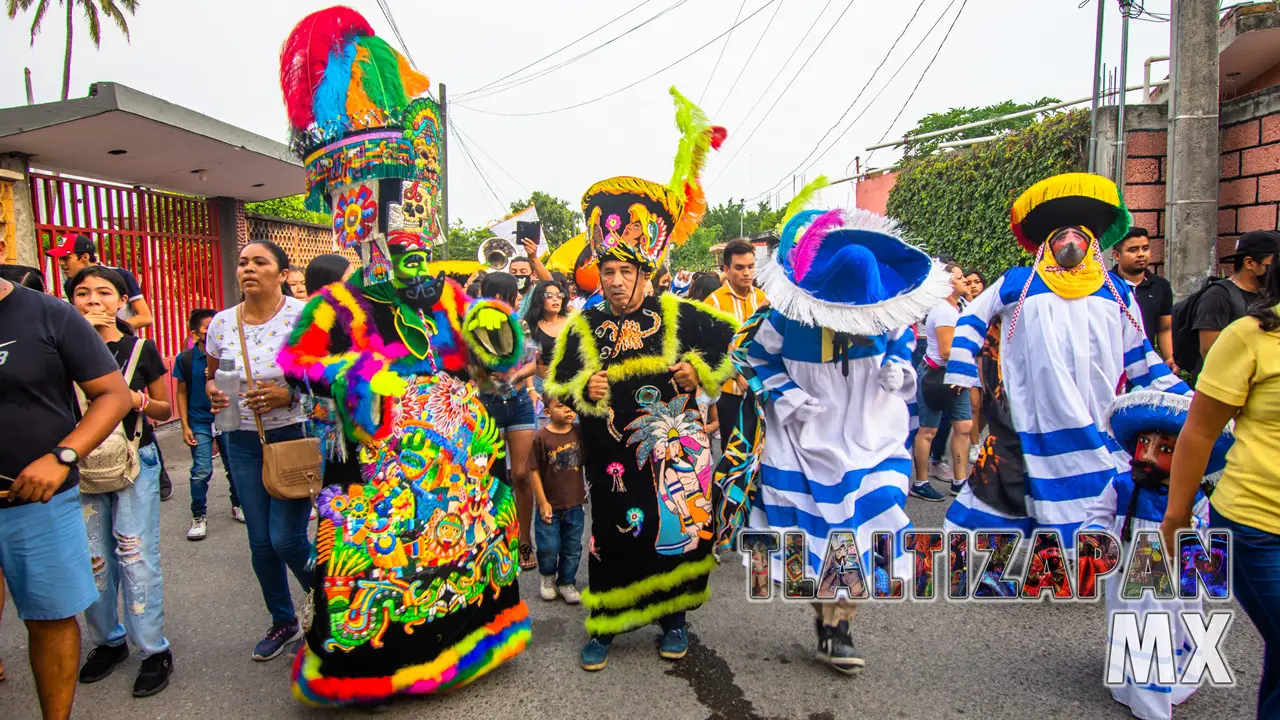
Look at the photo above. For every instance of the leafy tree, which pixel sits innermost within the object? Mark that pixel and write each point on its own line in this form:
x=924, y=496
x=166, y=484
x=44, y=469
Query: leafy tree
x=695, y=253
x=289, y=208
x=722, y=223
x=111, y=8
x=957, y=203
x=965, y=115
x=463, y=242
x=559, y=219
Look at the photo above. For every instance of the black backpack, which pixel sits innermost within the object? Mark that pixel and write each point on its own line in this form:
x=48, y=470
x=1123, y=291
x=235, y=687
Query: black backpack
x=1186, y=339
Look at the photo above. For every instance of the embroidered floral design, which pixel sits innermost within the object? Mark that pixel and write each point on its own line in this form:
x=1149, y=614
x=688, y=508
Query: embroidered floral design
x=355, y=216
x=615, y=471
x=635, y=519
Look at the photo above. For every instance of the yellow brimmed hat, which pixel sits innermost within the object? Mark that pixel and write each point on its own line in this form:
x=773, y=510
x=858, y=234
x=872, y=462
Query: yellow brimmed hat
x=637, y=220
x=1082, y=199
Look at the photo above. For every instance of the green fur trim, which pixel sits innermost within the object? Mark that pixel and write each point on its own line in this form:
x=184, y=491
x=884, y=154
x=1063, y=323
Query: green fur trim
x=640, y=617
x=630, y=595
x=708, y=377
x=702, y=308
x=588, y=356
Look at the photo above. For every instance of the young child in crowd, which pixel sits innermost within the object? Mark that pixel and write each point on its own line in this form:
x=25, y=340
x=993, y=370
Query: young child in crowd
x=555, y=473
x=197, y=423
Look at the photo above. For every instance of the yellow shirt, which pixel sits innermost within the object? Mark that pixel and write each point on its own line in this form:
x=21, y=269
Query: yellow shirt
x=741, y=307
x=1243, y=369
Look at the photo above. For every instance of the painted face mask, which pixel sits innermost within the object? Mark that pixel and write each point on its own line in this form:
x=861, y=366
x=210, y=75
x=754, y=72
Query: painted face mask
x=412, y=278
x=1069, y=246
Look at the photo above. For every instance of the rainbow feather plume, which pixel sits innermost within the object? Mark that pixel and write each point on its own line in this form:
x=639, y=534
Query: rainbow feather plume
x=792, y=230
x=305, y=56
x=697, y=136
x=330, y=101
x=807, y=248
x=382, y=83
x=803, y=199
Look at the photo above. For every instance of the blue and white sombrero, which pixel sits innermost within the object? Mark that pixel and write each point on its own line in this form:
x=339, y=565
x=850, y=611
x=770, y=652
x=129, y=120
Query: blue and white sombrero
x=850, y=271
x=1146, y=410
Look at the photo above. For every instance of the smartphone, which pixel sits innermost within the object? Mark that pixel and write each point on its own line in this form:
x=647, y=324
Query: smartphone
x=528, y=231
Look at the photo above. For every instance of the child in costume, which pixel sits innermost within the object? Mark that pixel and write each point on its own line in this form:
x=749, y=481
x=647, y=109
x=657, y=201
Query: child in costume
x=415, y=547
x=1146, y=424
x=830, y=360
x=630, y=366
x=1069, y=335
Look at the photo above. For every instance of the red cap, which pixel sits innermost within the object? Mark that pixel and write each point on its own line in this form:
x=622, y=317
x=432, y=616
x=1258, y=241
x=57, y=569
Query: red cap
x=70, y=244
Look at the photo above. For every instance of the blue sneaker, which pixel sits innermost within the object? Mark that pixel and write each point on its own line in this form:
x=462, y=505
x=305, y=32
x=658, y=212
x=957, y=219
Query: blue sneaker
x=675, y=644
x=925, y=492
x=957, y=486
x=277, y=639
x=595, y=655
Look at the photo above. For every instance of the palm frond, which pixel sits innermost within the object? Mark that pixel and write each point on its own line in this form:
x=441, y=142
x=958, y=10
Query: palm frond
x=13, y=6
x=112, y=11
x=91, y=17
x=35, y=21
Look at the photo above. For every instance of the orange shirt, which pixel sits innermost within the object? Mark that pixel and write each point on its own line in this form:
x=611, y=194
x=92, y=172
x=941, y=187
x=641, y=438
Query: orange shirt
x=739, y=306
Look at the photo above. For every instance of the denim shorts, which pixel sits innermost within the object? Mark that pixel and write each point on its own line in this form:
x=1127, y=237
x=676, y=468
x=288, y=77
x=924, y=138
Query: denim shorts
x=513, y=413
x=44, y=553
x=958, y=408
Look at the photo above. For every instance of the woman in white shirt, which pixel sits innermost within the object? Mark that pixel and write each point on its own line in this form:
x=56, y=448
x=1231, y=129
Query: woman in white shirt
x=277, y=528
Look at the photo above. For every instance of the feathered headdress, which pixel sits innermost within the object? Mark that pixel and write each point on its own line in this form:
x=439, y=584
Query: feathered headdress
x=849, y=271
x=358, y=112
x=637, y=220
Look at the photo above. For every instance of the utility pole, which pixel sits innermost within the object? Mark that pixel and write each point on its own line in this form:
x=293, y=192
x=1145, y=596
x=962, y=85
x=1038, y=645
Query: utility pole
x=1192, y=162
x=1097, y=87
x=1121, y=147
x=26, y=74
x=444, y=170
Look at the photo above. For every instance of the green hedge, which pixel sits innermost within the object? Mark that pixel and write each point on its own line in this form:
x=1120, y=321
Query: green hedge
x=957, y=203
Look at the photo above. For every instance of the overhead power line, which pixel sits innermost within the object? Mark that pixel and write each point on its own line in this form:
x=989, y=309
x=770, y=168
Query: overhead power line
x=785, y=89
x=754, y=48
x=475, y=165
x=557, y=51
x=517, y=82
x=651, y=75
x=720, y=57
x=395, y=30
x=933, y=59
x=471, y=141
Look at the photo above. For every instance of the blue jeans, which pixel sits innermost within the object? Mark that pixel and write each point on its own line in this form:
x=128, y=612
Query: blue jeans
x=124, y=550
x=1255, y=569
x=560, y=544
x=202, y=468
x=44, y=555
x=278, y=541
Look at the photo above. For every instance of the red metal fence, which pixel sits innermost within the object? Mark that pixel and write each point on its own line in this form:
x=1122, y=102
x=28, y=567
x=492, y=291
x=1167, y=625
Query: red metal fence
x=170, y=242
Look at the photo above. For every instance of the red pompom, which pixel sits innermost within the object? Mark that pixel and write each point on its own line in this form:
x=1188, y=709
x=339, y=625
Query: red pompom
x=718, y=134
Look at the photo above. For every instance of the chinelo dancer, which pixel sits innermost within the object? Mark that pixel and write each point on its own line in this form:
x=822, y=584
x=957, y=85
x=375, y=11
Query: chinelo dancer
x=631, y=366
x=1070, y=335
x=415, y=586
x=1146, y=424
x=830, y=362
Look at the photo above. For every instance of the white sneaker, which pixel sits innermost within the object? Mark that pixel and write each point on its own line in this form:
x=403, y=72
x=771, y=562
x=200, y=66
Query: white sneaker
x=974, y=451
x=548, y=587
x=238, y=514
x=198, y=529
x=570, y=594
x=940, y=470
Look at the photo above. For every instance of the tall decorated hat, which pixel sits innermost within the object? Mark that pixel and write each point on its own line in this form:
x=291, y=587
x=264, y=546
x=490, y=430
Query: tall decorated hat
x=1152, y=410
x=637, y=220
x=368, y=133
x=849, y=271
x=1071, y=199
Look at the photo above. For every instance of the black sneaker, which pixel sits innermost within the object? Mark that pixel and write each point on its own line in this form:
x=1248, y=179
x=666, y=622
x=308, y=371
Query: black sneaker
x=957, y=486
x=835, y=648
x=278, y=637
x=101, y=661
x=154, y=675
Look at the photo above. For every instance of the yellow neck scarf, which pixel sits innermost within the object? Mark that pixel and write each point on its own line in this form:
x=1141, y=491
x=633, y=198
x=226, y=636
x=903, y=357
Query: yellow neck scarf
x=1080, y=281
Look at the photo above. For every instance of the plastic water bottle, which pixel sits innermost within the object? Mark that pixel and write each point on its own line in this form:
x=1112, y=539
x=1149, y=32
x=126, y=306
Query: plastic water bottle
x=227, y=380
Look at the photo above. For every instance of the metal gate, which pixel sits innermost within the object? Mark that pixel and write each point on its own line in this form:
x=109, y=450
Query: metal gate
x=170, y=242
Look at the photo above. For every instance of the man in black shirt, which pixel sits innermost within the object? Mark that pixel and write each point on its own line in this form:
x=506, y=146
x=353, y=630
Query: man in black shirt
x=1226, y=301
x=45, y=346
x=1154, y=293
x=76, y=252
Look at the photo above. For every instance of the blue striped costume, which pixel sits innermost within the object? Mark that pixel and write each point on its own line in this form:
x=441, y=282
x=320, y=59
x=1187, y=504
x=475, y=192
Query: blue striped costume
x=847, y=468
x=1061, y=370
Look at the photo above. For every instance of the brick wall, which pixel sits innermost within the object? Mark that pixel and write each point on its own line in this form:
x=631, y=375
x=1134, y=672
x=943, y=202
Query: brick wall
x=1144, y=184
x=1249, y=192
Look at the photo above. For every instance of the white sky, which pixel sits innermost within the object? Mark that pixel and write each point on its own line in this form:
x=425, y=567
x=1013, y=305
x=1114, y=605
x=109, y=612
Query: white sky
x=220, y=57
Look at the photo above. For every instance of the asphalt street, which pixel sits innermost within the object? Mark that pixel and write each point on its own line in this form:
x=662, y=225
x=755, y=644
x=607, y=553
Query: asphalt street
x=747, y=661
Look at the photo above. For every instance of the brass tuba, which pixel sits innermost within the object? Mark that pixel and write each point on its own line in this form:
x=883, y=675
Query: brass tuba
x=496, y=254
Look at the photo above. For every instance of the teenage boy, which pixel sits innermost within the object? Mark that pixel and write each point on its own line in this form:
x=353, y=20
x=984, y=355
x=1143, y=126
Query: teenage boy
x=197, y=424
